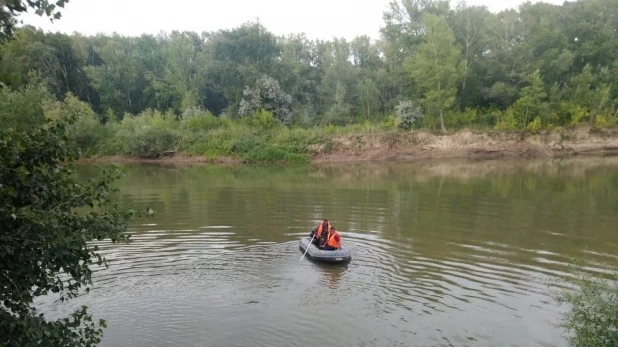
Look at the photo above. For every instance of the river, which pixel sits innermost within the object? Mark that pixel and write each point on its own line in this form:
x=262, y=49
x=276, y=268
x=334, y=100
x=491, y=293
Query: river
x=445, y=253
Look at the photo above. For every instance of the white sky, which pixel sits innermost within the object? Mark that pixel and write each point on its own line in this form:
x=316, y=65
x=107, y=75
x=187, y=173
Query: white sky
x=322, y=19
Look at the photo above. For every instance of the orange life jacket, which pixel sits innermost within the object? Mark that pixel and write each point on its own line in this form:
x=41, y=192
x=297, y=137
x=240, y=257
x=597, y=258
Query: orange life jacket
x=318, y=233
x=332, y=242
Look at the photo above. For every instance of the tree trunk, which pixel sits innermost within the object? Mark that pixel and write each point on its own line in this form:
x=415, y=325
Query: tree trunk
x=442, y=121
x=65, y=74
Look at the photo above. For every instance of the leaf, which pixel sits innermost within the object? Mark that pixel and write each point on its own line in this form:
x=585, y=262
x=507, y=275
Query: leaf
x=39, y=12
x=13, y=215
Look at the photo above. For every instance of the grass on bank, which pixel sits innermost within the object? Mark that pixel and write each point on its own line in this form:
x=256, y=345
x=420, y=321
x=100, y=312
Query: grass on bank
x=255, y=138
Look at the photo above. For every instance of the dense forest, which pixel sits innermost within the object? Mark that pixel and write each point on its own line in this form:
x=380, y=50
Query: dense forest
x=434, y=66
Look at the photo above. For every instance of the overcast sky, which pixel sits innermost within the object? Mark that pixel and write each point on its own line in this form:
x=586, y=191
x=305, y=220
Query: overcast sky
x=323, y=19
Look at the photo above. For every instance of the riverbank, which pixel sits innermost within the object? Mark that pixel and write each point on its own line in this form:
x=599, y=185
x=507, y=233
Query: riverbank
x=419, y=145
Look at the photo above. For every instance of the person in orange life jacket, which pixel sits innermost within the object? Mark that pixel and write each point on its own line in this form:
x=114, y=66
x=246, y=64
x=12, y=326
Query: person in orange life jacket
x=321, y=232
x=333, y=241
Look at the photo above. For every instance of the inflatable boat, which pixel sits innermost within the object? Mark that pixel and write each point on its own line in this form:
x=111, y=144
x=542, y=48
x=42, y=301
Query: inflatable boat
x=341, y=255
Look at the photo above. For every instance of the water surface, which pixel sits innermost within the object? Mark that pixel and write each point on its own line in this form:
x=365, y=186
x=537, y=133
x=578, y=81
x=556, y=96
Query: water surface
x=444, y=253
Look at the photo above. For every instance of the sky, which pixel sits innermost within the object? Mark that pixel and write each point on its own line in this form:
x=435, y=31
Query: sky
x=323, y=19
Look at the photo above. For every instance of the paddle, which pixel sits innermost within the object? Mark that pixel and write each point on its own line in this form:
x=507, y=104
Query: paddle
x=309, y=245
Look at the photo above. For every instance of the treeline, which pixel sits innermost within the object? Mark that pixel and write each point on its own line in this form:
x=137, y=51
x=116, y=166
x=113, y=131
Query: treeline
x=435, y=66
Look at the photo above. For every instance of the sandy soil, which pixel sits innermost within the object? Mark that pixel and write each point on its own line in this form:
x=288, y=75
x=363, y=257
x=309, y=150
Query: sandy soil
x=177, y=159
x=470, y=144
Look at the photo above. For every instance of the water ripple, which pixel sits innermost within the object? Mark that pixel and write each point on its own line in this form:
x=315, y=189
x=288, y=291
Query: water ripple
x=436, y=261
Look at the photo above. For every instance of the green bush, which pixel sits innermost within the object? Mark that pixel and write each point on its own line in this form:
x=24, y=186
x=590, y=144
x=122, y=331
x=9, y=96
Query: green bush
x=592, y=319
x=507, y=120
x=298, y=140
x=22, y=109
x=148, y=135
x=466, y=119
x=245, y=144
x=87, y=131
x=150, y=142
x=195, y=119
x=271, y=154
x=408, y=114
x=605, y=120
x=264, y=120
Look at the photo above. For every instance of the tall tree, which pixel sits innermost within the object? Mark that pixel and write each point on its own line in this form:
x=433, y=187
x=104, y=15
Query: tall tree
x=436, y=67
x=120, y=78
x=469, y=27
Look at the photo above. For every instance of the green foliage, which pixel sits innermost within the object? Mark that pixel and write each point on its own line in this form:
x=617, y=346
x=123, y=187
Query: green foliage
x=507, y=120
x=606, y=120
x=263, y=120
x=469, y=117
x=48, y=218
x=530, y=105
x=593, y=308
x=535, y=125
x=21, y=109
x=195, y=119
x=339, y=113
x=267, y=95
x=529, y=69
x=449, y=61
x=390, y=122
x=9, y=10
x=148, y=135
x=87, y=130
x=272, y=154
x=408, y=114
x=245, y=145
x=436, y=67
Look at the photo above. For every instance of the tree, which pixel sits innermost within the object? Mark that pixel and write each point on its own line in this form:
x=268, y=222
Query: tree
x=267, y=95
x=408, y=114
x=21, y=109
x=436, y=67
x=120, y=80
x=368, y=99
x=498, y=52
x=530, y=105
x=180, y=73
x=339, y=112
x=470, y=29
x=10, y=9
x=47, y=218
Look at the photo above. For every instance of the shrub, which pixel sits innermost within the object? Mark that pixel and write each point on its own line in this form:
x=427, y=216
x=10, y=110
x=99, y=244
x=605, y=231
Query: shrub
x=271, y=154
x=148, y=135
x=195, y=119
x=150, y=142
x=506, y=120
x=593, y=317
x=264, y=120
x=21, y=109
x=86, y=131
x=535, y=125
x=267, y=94
x=245, y=144
x=390, y=122
x=605, y=120
x=408, y=114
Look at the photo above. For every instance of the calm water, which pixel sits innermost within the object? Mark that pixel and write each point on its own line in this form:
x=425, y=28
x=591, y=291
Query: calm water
x=444, y=253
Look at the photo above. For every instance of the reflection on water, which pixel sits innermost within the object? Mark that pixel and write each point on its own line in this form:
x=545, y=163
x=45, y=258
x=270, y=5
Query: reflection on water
x=444, y=253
